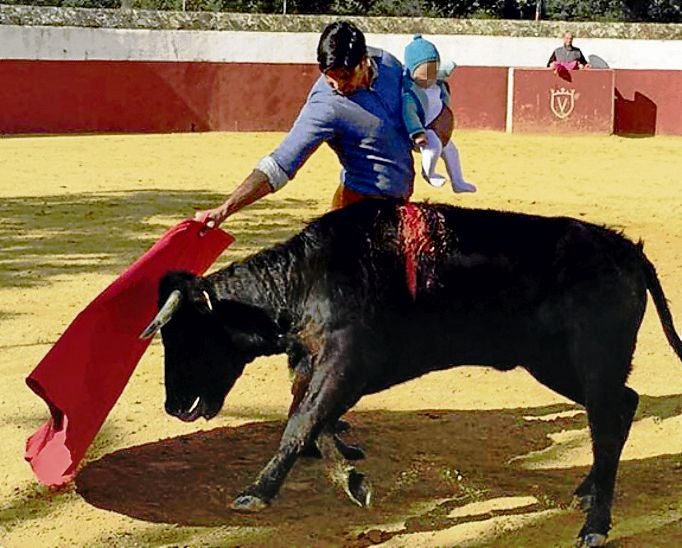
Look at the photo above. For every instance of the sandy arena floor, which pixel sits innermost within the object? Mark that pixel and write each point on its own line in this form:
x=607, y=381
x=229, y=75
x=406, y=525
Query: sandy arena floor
x=463, y=457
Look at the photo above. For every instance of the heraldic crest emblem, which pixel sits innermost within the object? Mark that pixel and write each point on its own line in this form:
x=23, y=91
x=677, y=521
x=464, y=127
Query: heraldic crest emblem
x=562, y=102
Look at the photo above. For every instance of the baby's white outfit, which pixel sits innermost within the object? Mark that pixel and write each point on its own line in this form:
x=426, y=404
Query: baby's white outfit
x=434, y=149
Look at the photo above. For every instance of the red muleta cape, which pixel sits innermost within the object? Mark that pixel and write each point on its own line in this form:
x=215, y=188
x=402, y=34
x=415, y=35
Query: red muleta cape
x=86, y=370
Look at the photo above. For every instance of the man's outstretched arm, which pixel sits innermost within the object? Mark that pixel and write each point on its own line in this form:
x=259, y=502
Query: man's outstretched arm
x=254, y=187
x=312, y=127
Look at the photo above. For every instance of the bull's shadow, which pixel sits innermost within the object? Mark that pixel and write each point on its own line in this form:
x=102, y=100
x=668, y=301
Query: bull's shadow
x=444, y=458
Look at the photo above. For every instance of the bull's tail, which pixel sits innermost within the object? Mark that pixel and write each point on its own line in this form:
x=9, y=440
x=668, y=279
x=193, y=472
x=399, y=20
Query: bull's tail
x=654, y=287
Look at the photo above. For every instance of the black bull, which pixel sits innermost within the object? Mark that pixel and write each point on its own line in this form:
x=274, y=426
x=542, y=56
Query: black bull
x=380, y=293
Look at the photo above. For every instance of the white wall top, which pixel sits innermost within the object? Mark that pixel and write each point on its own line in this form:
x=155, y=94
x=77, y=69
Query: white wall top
x=78, y=43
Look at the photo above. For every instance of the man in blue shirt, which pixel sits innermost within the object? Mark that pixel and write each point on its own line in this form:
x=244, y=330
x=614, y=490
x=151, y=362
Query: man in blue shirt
x=356, y=108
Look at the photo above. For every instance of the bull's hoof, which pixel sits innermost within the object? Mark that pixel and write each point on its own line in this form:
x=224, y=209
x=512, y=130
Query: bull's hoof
x=590, y=540
x=248, y=503
x=359, y=489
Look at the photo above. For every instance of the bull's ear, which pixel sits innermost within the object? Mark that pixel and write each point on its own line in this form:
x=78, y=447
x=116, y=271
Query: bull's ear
x=246, y=318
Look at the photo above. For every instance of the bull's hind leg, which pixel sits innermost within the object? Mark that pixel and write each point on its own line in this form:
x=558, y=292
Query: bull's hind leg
x=610, y=410
x=558, y=374
x=604, y=424
x=341, y=472
x=585, y=492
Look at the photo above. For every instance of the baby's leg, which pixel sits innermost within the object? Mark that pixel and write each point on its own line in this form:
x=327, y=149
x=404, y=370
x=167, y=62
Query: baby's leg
x=453, y=165
x=430, y=152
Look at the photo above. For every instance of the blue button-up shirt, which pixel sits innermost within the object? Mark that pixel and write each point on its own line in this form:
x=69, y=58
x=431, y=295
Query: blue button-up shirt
x=365, y=130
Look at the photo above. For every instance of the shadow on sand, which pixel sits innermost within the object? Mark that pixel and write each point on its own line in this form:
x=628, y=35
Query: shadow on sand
x=92, y=232
x=436, y=460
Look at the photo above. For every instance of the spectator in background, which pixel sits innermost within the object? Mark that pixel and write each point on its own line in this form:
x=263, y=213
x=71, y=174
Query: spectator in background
x=567, y=57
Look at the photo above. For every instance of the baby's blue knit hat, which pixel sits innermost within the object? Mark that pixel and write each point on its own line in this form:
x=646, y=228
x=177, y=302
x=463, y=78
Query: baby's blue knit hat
x=418, y=52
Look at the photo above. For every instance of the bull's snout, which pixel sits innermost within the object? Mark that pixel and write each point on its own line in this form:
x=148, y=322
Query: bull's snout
x=187, y=412
x=171, y=409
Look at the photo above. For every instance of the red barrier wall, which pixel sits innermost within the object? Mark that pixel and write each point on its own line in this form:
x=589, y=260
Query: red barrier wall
x=577, y=101
x=648, y=102
x=134, y=96
x=100, y=96
x=127, y=96
x=479, y=97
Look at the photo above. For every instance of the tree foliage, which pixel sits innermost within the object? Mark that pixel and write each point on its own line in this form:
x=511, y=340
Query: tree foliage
x=568, y=10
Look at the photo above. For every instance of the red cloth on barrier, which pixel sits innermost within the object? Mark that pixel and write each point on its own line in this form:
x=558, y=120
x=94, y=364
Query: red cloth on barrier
x=85, y=372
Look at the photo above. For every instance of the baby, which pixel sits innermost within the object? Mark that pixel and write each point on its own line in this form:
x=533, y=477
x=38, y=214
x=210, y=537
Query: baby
x=426, y=95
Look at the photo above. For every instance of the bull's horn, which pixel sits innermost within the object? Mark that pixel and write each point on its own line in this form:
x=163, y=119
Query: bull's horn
x=164, y=315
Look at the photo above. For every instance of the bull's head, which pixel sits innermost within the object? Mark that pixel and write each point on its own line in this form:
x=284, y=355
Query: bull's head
x=207, y=342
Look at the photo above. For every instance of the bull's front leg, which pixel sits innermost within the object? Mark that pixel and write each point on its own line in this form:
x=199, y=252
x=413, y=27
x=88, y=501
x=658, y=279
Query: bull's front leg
x=302, y=368
x=329, y=395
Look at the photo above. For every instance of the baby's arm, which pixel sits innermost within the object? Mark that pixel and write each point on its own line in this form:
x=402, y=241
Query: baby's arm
x=411, y=119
